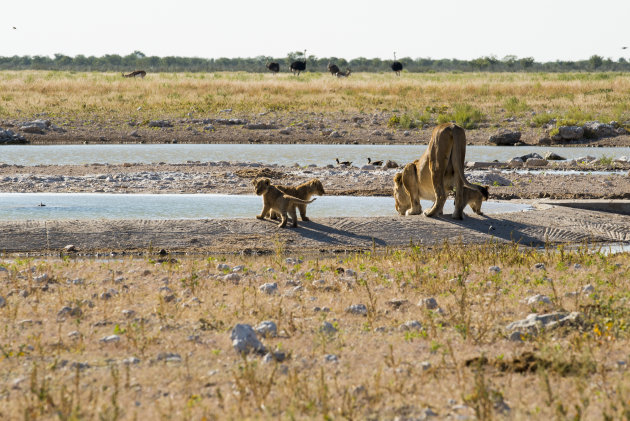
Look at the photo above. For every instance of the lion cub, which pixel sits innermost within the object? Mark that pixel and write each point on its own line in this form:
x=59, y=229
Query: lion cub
x=304, y=191
x=473, y=198
x=276, y=200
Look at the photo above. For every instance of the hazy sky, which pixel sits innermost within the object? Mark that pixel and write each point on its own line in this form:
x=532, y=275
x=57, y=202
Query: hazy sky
x=544, y=29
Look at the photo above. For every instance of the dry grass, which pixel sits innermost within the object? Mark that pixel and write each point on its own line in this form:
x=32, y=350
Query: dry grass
x=381, y=371
x=108, y=96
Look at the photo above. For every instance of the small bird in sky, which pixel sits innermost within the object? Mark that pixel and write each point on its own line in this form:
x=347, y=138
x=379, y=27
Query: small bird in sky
x=14, y=27
x=623, y=48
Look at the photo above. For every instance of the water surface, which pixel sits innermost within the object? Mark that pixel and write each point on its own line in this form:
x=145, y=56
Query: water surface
x=82, y=206
x=285, y=155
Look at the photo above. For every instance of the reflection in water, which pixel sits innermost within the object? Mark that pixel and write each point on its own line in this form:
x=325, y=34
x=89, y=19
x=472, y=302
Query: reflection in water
x=65, y=206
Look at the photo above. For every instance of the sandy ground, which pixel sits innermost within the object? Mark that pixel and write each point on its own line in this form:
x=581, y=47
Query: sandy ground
x=547, y=224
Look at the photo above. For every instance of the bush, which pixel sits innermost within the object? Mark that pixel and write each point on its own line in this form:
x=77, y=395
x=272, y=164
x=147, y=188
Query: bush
x=543, y=118
x=514, y=106
x=465, y=115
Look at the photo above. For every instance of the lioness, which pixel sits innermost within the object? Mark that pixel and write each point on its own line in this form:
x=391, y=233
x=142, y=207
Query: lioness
x=274, y=199
x=304, y=191
x=474, y=198
x=439, y=169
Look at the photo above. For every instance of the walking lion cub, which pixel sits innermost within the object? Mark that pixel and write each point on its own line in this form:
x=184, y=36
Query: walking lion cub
x=304, y=191
x=276, y=200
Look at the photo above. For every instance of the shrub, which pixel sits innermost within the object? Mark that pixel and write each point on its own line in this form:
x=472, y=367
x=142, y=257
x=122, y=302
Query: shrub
x=465, y=115
x=543, y=118
x=513, y=106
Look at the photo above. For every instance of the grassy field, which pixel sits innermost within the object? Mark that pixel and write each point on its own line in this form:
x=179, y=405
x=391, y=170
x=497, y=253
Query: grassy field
x=172, y=357
x=572, y=96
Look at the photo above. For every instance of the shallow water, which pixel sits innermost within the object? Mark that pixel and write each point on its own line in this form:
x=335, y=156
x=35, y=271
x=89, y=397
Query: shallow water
x=319, y=155
x=70, y=206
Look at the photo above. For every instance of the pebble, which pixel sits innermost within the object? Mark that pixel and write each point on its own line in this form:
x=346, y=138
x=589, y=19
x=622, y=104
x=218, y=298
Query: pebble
x=428, y=303
x=110, y=339
x=494, y=269
x=269, y=288
x=328, y=328
x=244, y=339
x=588, y=289
x=235, y=278
x=410, y=325
x=267, y=329
x=131, y=361
x=538, y=299
x=331, y=358
x=357, y=309
x=3, y=301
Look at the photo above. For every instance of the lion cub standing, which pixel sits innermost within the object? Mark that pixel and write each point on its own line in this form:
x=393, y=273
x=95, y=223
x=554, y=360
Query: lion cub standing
x=304, y=191
x=473, y=198
x=276, y=200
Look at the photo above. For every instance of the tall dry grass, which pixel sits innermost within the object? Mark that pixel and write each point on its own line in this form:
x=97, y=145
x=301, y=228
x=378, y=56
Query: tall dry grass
x=54, y=363
x=600, y=95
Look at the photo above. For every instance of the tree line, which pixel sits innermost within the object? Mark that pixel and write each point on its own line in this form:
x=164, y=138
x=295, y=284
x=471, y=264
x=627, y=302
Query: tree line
x=138, y=60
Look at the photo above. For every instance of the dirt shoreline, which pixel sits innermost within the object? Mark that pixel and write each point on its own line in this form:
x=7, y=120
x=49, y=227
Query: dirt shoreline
x=546, y=225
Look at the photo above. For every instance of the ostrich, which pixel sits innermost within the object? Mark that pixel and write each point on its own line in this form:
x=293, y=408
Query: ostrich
x=333, y=69
x=344, y=163
x=344, y=74
x=299, y=65
x=273, y=67
x=376, y=163
x=396, y=65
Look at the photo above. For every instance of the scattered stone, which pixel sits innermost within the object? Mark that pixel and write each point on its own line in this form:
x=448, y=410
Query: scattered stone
x=110, y=339
x=75, y=334
x=223, y=267
x=505, y=138
x=570, y=132
x=350, y=272
x=169, y=357
x=160, y=123
x=69, y=311
x=524, y=158
x=535, y=162
x=376, y=133
x=70, y=248
x=269, y=288
x=357, y=309
x=260, y=126
x=335, y=134
x=244, y=340
x=538, y=299
x=515, y=163
x=35, y=126
x=596, y=130
x=238, y=268
x=494, y=269
x=235, y=278
x=390, y=164
x=428, y=413
x=267, y=329
x=516, y=336
x=131, y=361
x=328, y=328
x=425, y=365
x=8, y=137
x=533, y=323
x=410, y=325
x=331, y=358
x=3, y=301
x=552, y=156
x=588, y=289
x=209, y=127
x=428, y=303
x=128, y=313
x=539, y=266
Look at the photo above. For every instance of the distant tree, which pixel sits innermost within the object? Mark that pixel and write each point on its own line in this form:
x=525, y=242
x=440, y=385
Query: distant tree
x=595, y=61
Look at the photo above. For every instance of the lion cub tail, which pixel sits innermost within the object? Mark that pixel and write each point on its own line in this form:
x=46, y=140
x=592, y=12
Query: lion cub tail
x=298, y=201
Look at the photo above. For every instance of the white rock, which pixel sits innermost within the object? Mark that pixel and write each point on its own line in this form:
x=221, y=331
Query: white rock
x=267, y=329
x=223, y=267
x=235, y=278
x=410, y=325
x=110, y=339
x=269, y=288
x=588, y=289
x=538, y=299
x=358, y=309
x=331, y=358
x=244, y=339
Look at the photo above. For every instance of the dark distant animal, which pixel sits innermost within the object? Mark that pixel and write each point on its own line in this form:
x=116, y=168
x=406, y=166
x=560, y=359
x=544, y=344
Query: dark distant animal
x=344, y=163
x=135, y=73
x=623, y=48
x=344, y=74
x=333, y=69
x=377, y=163
x=396, y=65
x=273, y=67
x=299, y=65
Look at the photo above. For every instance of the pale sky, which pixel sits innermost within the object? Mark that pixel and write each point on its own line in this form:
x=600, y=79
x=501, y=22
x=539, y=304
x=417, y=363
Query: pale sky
x=464, y=29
